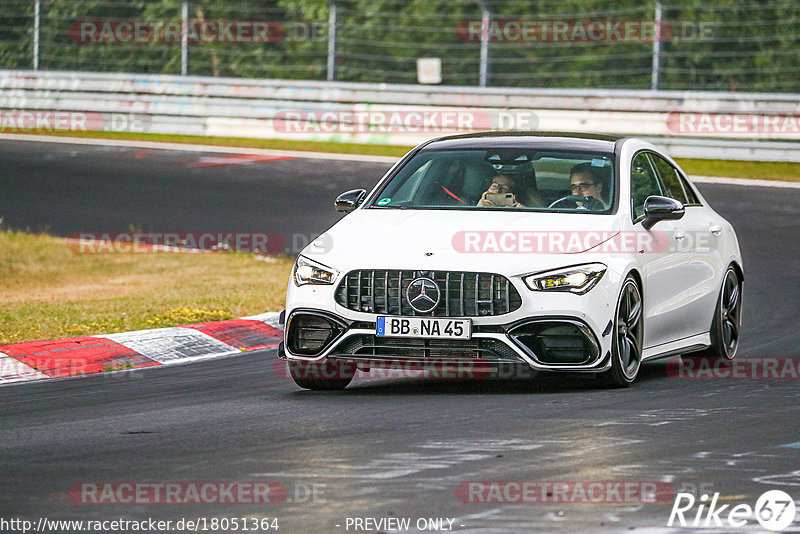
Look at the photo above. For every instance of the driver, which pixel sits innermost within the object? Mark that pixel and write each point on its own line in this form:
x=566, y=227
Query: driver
x=587, y=181
x=500, y=194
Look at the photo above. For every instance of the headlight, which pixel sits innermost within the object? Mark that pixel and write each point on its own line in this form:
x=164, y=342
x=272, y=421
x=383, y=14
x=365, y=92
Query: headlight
x=578, y=279
x=311, y=272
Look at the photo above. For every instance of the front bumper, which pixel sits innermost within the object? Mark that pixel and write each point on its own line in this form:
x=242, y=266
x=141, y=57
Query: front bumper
x=545, y=343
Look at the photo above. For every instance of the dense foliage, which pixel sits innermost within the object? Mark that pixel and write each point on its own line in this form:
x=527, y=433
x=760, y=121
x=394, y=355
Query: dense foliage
x=727, y=45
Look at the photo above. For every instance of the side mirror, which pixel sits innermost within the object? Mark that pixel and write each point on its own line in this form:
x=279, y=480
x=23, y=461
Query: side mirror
x=661, y=209
x=349, y=200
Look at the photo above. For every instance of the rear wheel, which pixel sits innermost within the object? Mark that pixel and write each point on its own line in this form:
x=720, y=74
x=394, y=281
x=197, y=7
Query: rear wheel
x=329, y=375
x=626, y=346
x=727, y=320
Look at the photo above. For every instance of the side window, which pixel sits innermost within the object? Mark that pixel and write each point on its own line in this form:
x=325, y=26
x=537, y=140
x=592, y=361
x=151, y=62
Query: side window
x=670, y=178
x=690, y=194
x=643, y=183
x=407, y=191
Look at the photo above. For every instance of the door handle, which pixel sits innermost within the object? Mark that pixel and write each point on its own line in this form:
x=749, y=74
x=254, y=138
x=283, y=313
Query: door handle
x=715, y=229
x=679, y=235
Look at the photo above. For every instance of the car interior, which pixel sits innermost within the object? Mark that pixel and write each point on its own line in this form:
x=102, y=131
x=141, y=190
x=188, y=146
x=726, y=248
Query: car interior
x=538, y=178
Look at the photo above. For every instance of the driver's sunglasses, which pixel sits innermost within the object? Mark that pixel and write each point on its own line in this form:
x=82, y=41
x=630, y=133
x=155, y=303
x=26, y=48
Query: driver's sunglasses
x=582, y=186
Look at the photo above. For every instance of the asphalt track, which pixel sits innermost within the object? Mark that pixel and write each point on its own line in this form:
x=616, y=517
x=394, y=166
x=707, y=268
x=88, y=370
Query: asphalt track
x=381, y=448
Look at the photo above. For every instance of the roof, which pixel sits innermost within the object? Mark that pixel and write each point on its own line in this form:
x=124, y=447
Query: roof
x=527, y=139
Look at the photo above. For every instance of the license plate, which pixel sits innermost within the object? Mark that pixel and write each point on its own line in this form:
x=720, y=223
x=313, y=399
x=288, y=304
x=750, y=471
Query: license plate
x=424, y=327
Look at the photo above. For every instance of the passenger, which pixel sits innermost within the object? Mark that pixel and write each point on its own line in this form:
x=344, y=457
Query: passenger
x=500, y=194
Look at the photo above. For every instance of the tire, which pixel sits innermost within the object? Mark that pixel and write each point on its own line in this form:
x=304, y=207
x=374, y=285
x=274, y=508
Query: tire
x=330, y=375
x=726, y=325
x=626, y=345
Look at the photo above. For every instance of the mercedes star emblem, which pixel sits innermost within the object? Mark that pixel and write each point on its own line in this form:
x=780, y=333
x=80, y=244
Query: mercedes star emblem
x=423, y=294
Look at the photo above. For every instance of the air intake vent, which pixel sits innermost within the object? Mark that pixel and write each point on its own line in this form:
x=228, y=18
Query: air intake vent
x=365, y=345
x=558, y=342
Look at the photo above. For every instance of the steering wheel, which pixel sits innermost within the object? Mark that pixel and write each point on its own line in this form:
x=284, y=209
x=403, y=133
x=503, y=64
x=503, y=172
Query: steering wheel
x=578, y=202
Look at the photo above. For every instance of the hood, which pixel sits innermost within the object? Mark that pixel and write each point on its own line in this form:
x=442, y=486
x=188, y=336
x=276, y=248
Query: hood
x=510, y=242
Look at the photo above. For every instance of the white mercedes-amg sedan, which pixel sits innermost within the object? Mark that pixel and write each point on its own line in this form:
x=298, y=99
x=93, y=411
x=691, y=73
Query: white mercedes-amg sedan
x=551, y=251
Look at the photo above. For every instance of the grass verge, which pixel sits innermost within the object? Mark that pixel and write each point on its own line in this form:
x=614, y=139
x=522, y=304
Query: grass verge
x=759, y=170
x=50, y=292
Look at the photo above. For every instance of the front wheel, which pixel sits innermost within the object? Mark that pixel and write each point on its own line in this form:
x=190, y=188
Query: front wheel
x=330, y=375
x=626, y=346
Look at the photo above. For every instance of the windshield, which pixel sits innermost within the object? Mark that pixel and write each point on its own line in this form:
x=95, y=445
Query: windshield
x=503, y=179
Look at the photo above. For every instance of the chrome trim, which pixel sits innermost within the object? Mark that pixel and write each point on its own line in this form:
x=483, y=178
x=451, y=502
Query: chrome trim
x=423, y=361
x=489, y=354
x=692, y=343
x=595, y=367
x=675, y=352
x=318, y=313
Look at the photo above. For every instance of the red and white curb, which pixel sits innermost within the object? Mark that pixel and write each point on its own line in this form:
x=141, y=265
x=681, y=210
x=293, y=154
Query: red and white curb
x=79, y=356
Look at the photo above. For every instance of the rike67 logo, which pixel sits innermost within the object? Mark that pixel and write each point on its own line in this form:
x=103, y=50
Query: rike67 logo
x=774, y=510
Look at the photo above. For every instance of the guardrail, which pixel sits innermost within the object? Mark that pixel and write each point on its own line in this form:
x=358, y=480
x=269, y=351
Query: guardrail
x=744, y=126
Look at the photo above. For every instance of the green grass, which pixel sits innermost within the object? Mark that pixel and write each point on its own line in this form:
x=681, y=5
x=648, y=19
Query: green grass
x=50, y=291
x=760, y=170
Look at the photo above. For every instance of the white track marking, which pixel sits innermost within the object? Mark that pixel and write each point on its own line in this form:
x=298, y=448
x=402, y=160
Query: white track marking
x=172, y=345
x=744, y=181
x=13, y=370
x=316, y=155
x=271, y=318
x=180, y=147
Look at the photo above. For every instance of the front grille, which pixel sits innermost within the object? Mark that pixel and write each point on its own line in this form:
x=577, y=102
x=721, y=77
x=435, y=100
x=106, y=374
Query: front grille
x=371, y=345
x=462, y=294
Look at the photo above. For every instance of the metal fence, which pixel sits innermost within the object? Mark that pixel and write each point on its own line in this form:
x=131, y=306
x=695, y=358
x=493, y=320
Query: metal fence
x=716, y=45
x=395, y=114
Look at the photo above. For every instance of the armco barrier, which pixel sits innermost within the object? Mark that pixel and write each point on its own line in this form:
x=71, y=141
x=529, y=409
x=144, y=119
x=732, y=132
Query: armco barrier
x=248, y=108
